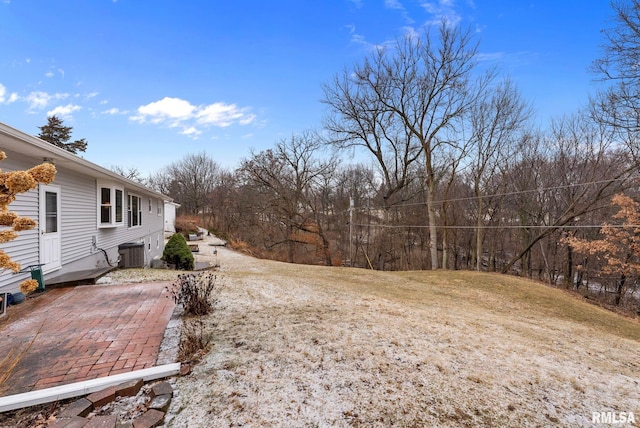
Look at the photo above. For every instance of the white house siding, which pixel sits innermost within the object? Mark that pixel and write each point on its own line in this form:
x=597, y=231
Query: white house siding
x=24, y=249
x=110, y=238
x=78, y=214
x=79, y=227
x=79, y=217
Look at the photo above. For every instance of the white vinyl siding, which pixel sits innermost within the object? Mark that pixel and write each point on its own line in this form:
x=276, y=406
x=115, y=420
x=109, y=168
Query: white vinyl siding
x=21, y=249
x=79, y=222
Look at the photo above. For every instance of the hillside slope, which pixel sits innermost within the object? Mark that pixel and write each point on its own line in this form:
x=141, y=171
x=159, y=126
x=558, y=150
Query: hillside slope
x=311, y=346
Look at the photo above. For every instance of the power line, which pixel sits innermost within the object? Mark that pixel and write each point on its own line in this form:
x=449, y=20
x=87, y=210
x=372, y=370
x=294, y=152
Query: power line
x=509, y=226
x=519, y=192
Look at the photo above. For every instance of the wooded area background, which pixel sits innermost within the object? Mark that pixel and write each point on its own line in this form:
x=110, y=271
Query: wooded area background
x=429, y=160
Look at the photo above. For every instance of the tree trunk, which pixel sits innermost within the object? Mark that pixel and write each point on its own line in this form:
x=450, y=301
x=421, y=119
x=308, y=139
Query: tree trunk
x=290, y=244
x=433, y=230
x=568, y=268
x=445, y=252
x=619, y=289
x=479, y=243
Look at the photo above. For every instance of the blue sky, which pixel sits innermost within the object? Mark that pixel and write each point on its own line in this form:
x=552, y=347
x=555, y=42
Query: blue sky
x=148, y=82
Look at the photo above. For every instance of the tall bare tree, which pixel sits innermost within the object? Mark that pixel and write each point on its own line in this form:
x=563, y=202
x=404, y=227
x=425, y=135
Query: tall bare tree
x=618, y=104
x=404, y=102
x=572, y=172
x=189, y=182
x=289, y=178
x=495, y=122
x=131, y=173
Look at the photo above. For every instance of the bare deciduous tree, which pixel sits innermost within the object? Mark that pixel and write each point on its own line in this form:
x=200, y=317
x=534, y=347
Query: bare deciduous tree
x=289, y=177
x=189, y=182
x=131, y=173
x=404, y=101
x=573, y=172
x=495, y=122
x=618, y=104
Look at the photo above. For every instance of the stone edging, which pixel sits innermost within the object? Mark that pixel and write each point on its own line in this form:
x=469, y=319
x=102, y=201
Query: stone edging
x=84, y=412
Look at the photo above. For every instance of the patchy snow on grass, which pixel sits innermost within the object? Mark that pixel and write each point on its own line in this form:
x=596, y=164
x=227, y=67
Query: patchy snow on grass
x=310, y=346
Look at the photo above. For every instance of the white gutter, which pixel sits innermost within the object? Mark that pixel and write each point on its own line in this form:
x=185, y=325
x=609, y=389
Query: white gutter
x=65, y=158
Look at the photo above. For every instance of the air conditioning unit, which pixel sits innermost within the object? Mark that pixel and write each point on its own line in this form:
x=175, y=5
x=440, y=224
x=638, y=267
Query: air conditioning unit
x=131, y=255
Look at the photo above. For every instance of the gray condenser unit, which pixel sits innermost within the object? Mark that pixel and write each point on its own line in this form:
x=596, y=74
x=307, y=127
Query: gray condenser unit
x=131, y=255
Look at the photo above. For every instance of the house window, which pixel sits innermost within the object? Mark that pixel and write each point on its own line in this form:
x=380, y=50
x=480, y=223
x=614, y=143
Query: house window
x=119, y=205
x=110, y=205
x=134, y=211
x=159, y=207
x=150, y=206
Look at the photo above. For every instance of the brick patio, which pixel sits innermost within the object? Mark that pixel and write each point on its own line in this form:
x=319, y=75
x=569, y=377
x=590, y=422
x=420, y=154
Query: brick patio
x=80, y=333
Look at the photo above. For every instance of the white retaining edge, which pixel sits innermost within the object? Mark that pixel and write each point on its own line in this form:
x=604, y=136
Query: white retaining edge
x=85, y=387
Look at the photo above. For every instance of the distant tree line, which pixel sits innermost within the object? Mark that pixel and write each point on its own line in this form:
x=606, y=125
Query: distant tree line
x=427, y=160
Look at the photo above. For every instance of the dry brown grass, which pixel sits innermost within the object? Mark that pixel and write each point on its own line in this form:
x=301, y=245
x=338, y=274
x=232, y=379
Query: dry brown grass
x=311, y=346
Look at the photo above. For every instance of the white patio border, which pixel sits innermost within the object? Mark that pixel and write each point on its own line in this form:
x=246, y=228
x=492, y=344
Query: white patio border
x=86, y=387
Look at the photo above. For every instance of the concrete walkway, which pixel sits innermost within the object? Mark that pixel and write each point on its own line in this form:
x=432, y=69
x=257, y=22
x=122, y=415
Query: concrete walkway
x=79, y=333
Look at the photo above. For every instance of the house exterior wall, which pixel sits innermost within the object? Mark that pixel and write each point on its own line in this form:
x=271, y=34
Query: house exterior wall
x=23, y=249
x=84, y=245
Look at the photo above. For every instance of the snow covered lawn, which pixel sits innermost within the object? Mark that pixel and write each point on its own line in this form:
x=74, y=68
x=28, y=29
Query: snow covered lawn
x=301, y=346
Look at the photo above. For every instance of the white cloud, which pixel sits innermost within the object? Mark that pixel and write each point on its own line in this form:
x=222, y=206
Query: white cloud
x=393, y=4
x=40, y=100
x=48, y=74
x=411, y=33
x=115, y=111
x=490, y=56
x=167, y=109
x=64, y=111
x=191, y=132
x=179, y=113
x=223, y=115
x=442, y=10
x=3, y=95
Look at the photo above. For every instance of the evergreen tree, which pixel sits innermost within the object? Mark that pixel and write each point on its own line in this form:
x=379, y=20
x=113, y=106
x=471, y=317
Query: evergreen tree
x=55, y=133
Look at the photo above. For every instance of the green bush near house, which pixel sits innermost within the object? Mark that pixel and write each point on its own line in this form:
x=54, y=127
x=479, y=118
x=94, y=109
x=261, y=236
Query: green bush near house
x=178, y=253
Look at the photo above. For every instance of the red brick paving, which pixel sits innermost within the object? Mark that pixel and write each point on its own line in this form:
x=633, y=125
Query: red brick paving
x=82, y=333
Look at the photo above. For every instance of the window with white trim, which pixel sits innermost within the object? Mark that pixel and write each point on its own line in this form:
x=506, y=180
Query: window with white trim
x=110, y=205
x=159, y=206
x=150, y=211
x=134, y=211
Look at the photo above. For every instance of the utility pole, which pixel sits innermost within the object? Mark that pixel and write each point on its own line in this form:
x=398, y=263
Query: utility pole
x=350, y=231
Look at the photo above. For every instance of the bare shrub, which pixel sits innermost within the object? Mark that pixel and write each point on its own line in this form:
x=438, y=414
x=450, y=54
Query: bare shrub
x=187, y=224
x=197, y=293
x=240, y=246
x=194, y=341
